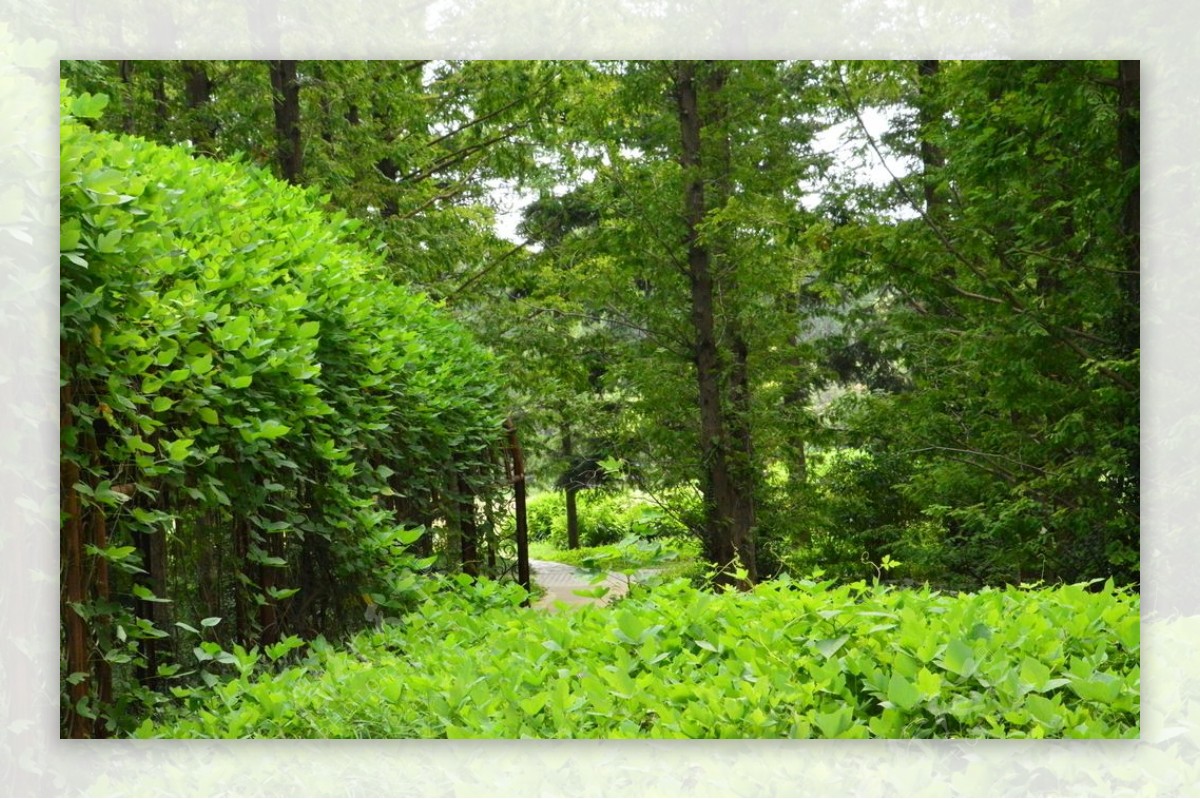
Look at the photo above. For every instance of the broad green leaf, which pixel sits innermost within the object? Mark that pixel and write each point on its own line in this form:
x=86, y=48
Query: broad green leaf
x=902, y=693
x=829, y=647
x=179, y=449
x=201, y=365
x=1034, y=673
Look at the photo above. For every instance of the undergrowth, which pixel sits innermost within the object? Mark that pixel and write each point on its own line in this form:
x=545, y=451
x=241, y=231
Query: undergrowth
x=788, y=659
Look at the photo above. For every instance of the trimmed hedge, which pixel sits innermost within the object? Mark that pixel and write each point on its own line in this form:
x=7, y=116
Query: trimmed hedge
x=250, y=403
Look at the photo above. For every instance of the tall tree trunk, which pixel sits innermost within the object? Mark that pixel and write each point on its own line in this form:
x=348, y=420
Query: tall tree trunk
x=468, y=527
x=736, y=408
x=932, y=159
x=571, y=489
x=268, y=612
x=718, y=535
x=518, y=481
x=198, y=91
x=289, y=149
x=1129, y=74
x=102, y=668
x=75, y=724
x=125, y=70
x=1129, y=147
x=241, y=548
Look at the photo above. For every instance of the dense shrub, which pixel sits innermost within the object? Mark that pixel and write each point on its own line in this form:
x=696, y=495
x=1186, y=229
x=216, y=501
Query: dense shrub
x=255, y=416
x=786, y=660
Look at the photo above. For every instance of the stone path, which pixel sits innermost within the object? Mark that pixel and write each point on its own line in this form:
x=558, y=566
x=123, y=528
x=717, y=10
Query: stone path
x=561, y=581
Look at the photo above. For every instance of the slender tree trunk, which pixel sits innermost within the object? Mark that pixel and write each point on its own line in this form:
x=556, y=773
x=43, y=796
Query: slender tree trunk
x=125, y=69
x=1129, y=153
x=718, y=534
x=932, y=159
x=289, y=147
x=268, y=613
x=102, y=668
x=572, y=489
x=518, y=481
x=1129, y=149
x=75, y=724
x=198, y=90
x=468, y=527
x=241, y=549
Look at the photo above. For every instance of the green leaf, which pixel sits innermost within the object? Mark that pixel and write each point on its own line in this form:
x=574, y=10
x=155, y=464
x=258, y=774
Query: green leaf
x=959, y=658
x=902, y=693
x=211, y=621
x=89, y=106
x=107, y=242
x=534, y=704
x=828, y=647
x=201, y=365
x=308, y=329
x=409, y=535
x=630, y=626
x=144, y=593
x=179, y=449
x=271, y=429
x=1034, y=673
x=239, y=381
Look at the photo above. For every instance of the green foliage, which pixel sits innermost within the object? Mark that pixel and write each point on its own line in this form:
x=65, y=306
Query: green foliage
x=263, y=393
x=608, y=517
x=788, y=660
x=1016, y=314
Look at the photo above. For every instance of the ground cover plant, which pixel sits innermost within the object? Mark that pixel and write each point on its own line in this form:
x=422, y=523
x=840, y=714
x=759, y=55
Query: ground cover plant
x=793, y=659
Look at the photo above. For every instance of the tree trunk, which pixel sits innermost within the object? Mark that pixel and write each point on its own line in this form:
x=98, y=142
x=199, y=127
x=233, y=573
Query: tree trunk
x=468, y=527
x=932, y=159
x=125, y=70
x=743, y=478
x=198, y=90
x=518, y=481
x=75, y=724
x=571, y=490
x=289, y=149
x=1129, y=74
x=1129, y=148
x=718, y=534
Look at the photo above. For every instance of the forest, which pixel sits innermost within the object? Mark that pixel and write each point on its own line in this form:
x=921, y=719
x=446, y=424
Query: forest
x=835, y=364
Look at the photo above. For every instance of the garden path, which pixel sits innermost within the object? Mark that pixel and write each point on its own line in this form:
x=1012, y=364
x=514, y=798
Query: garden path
x=561, y=580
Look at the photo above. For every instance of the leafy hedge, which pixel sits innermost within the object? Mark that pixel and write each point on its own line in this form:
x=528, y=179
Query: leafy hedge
x=787, y=660
x=256, y=417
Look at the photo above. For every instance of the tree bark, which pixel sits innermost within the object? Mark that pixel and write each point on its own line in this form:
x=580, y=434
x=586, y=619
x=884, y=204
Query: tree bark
x=571, y=490
x=737, y=407
x=289, y=147
x=198, y=91
x=1129, y=74
x=518, y=481
x=932, y=159
x=718, y=534
x=75, y=724
x=468, y=527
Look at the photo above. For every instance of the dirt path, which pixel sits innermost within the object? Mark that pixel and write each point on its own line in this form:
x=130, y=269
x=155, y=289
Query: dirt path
x=561, y=581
